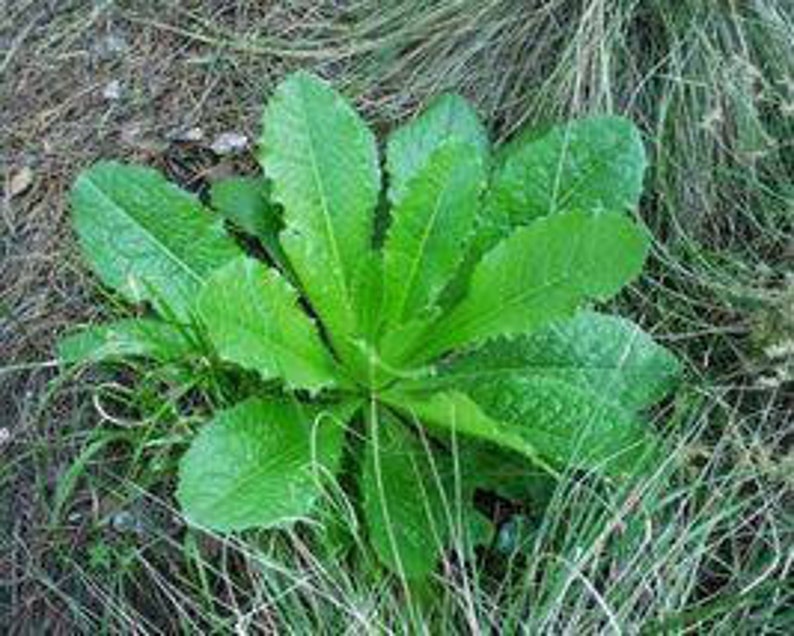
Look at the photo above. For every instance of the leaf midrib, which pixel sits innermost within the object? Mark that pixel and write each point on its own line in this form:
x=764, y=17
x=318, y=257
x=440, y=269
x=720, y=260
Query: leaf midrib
x=420, y=253
x=515, y=299
x=121, y=212
x=340, y=274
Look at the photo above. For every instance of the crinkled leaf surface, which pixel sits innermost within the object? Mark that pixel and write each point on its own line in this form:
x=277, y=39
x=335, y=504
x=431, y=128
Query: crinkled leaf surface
x=491, y=455
x=410, y=505
x=566, y=423
x=259, y=464
x=541, y=273
x=322, y=161
x=145, y=237
x=454, y=411
x=570, y=390
x=448, y=118
x=431, y=226
x=607, y=355
x=136, y=337
x=588, y=164
x=253, y=319
x=561, y=395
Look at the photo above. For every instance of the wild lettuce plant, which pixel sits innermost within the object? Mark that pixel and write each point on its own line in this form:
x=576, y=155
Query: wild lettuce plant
x=444, y=317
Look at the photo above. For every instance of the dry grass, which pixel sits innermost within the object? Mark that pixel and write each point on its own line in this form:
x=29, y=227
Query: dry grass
x=711, y=86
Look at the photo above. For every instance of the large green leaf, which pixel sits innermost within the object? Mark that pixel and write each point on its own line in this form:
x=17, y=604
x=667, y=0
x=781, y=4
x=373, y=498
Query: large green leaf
x=411, y=504
x=431, y=226
x=261, y=463
x=322, y=161
x=448, y=118
x=540, y=273
x=145, y=237
x=253, y=319
x=449, y=412
x=587, y=164
x=566, y=424
x=610, y=356
x=135, y=337
x=569, y=390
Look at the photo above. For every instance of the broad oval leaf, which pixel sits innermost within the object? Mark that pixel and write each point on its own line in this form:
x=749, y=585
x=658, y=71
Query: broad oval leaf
x=145, y=237
x=431, y=226
x=135, y=337
x=568, y=425
x=410, y=502
x=253, y=319
x=588, y=164
x=610, y=356
x=322, y=161
x=259, y=464
x=540, y=273
x=448, y=118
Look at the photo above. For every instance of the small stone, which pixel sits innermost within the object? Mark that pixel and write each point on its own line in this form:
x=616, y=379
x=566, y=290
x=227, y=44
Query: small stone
x=126, y=523
x=229, y=143
x=5, y=435
x=20, y=182
x=188, y=134
x=109, y=46
x=112, y=91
